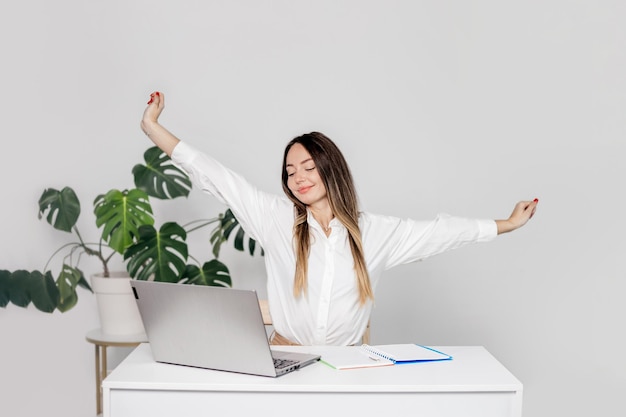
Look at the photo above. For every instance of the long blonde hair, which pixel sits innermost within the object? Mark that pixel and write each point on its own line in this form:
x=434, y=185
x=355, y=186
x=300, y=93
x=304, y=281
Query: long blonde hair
x=335, y=174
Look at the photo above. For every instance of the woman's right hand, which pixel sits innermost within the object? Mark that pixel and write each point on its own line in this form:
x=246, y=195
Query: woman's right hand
x=156, y=104
x=151, y=127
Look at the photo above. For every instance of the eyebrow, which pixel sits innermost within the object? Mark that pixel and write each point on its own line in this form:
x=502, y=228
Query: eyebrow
x=301, y=162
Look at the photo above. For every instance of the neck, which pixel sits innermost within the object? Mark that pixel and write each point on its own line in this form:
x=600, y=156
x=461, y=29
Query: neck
x=323, y=215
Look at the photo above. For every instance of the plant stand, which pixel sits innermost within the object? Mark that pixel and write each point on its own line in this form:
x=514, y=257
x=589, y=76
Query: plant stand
x=101, y=342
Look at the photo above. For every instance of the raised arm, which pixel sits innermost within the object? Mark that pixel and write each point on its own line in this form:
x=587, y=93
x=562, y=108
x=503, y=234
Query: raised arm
x=151, y=127
x=523, y=211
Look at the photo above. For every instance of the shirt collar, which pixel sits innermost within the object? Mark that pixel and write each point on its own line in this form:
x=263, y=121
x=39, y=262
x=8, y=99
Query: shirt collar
x=334, y=223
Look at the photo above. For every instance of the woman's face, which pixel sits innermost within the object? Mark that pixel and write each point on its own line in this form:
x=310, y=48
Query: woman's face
x=303, y=178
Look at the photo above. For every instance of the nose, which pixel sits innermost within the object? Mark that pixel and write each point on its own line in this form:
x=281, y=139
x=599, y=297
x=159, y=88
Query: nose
x=298, y=177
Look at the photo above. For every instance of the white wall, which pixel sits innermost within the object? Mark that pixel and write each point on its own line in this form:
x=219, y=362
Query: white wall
x=457, y=106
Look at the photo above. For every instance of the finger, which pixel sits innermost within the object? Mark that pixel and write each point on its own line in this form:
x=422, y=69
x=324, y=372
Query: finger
x=530, y=204
x=522, y=207
x=533, y=207
x=156, y=98
x=160, y=99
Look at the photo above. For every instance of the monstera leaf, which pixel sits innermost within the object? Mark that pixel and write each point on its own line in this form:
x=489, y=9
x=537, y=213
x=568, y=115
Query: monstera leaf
x=63, y=208
x=19, y=288
x=5, y=279
x=162, y=254
x=122, y=213
x=44, y=291
x=213, y=273
x=228, y=223
x=22, y=287
x=67, y=282
x=160, y=178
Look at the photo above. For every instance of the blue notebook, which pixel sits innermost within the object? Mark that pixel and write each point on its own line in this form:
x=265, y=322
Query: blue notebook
x=366, y=356
x=406, y=353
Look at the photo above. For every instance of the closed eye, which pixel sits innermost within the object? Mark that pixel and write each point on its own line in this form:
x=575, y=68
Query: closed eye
x=291, y=174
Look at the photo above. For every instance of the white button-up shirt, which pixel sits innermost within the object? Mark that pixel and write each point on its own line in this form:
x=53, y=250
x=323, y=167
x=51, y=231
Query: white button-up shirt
x=329, y=312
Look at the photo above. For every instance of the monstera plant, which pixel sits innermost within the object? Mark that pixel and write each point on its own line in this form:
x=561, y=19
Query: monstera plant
x=128, y=230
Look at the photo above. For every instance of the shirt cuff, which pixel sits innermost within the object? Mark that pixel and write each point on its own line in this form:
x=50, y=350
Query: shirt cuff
x=487, y=230
x=182, y=153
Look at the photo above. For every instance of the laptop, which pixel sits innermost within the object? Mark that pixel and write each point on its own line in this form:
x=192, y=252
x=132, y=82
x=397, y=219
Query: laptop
x=211, y=327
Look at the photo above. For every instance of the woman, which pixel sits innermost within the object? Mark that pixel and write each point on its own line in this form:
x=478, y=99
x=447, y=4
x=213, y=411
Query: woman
x=323, y=256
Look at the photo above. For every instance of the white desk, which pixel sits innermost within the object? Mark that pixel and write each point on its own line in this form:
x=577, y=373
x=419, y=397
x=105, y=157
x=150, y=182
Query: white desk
x=474, y=383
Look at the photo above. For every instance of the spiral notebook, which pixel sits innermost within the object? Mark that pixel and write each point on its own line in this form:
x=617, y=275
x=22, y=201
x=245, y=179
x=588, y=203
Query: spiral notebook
x=366, y=356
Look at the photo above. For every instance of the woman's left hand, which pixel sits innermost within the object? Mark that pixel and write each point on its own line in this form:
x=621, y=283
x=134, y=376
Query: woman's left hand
x=523, y=211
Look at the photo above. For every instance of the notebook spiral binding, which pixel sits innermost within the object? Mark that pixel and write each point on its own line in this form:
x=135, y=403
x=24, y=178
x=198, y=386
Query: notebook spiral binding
x=377, y=352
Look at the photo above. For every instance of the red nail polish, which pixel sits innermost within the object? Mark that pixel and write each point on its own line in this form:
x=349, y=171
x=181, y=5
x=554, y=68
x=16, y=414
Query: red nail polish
x=150, y=102
x=536, y=200
x=157, y=93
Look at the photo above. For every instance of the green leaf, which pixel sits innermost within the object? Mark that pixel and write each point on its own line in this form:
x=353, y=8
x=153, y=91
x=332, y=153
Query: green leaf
x=63, y=208
x=238, y=243
x=68, y=303
x=217, y=238
x=22, y=287
x=5, y=277
x=67, y=282
x=82, y=282
x=213, y=273
x=43, y=291
x=122, y=213
x=18, y=288
x=228, y=223
x=162, y=254
x=160, y=178
x=252, y=247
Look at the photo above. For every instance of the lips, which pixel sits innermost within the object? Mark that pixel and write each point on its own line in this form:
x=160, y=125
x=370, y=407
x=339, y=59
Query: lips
x=303, y=190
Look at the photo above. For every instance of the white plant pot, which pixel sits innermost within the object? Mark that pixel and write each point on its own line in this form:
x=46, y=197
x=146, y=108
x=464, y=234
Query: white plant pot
x=117, y=308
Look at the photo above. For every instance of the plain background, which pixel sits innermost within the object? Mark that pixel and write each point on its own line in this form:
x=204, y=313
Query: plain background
x=463, y=107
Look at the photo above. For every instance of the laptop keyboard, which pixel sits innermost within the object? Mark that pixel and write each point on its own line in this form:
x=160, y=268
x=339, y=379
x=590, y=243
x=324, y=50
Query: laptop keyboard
x=283, y=363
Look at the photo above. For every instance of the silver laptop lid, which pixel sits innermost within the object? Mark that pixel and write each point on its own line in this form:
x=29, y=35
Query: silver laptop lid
x=203, y=326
